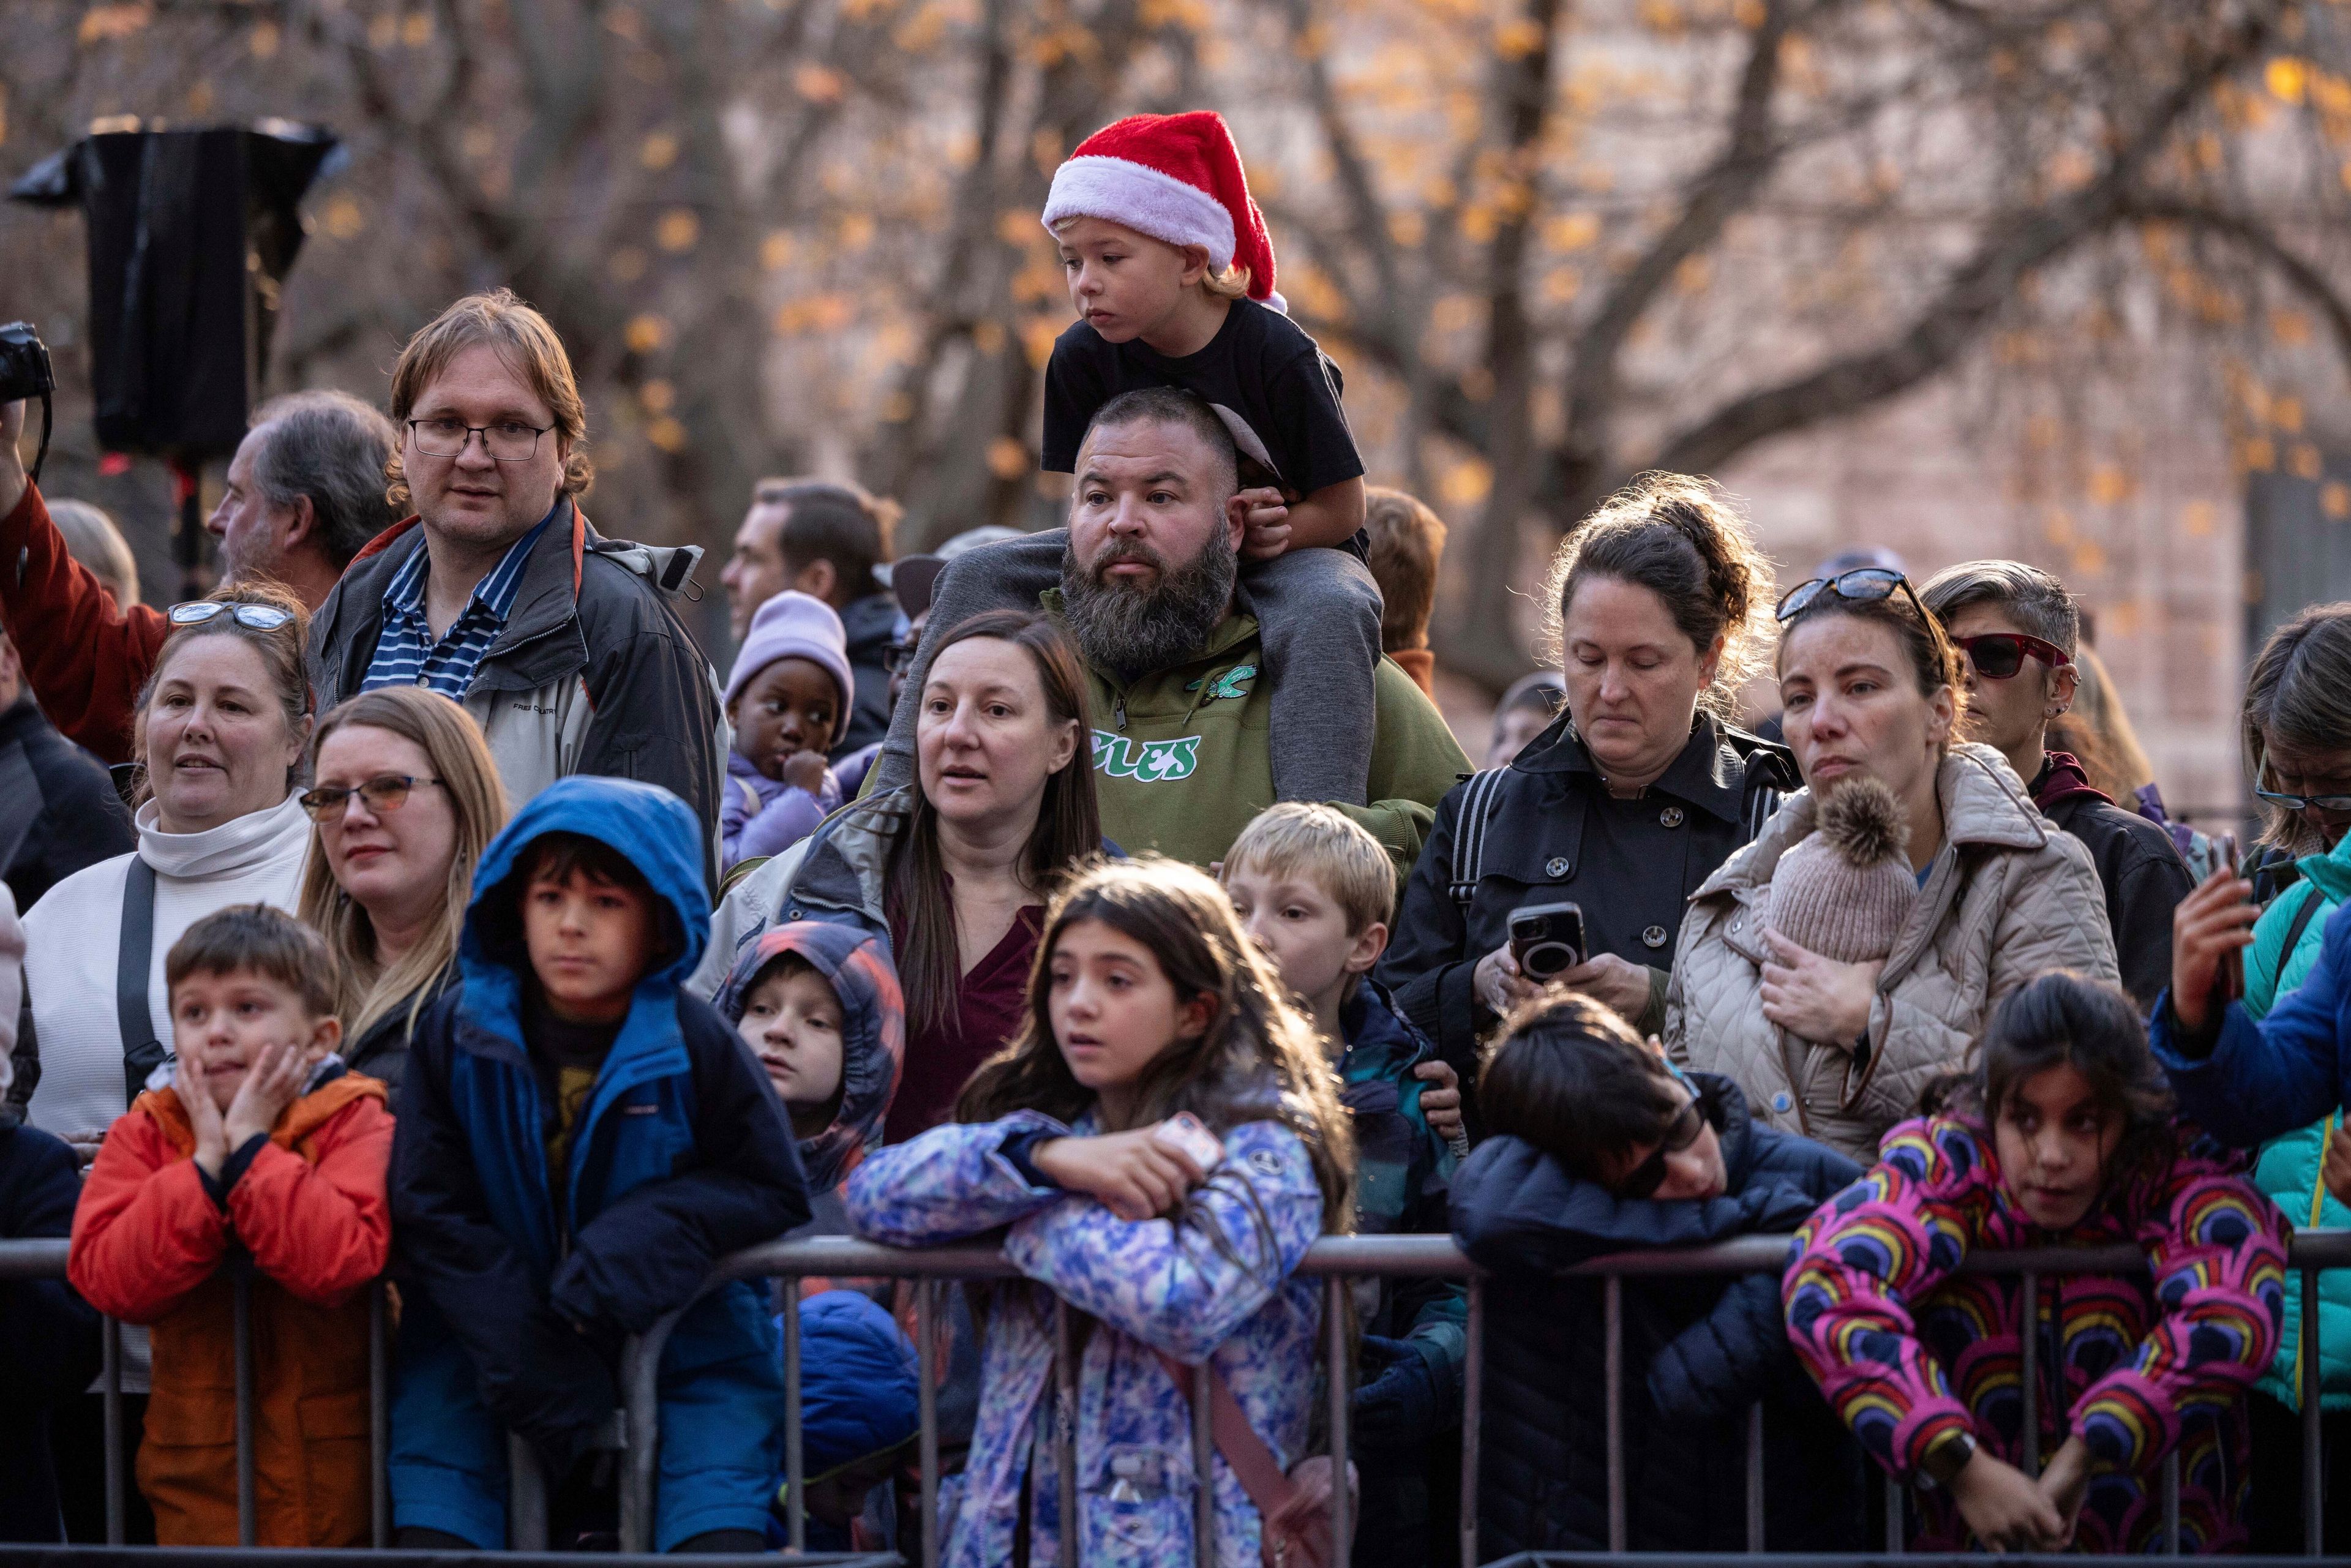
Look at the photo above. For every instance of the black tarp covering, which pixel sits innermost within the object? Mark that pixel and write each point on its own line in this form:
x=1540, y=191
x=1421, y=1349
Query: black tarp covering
x=191, y=233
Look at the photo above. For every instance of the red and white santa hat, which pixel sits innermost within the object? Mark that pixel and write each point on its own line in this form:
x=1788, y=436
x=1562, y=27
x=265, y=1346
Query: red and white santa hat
x=1176, y=177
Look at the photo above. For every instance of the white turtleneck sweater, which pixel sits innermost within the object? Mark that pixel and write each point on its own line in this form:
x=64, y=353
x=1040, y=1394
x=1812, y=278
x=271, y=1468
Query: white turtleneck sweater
x=72, y=935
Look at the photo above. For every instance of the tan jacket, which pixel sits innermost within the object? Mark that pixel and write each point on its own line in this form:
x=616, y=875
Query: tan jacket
x=2009, y=895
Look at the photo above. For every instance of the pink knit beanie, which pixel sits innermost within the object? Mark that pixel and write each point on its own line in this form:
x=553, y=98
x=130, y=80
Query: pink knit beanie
x=1845, y=890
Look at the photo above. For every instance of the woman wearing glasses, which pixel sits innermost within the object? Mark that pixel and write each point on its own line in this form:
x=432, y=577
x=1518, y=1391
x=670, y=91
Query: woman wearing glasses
x=1630, y=798
x=220, y=731
x=2018, y=630
x=404, y=798
x=1838, y=1052
x=2297, y=739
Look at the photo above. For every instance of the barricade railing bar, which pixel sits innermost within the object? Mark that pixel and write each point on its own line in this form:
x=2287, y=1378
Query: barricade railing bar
x=1334, y=1260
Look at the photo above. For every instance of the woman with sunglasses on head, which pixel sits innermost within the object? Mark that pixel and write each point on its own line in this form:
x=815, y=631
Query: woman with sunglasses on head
x=1600, y=1145
x=220, y=730
x=405, y=797
x=2018, y=632
x=1632, y=796
x=1839, y=1049
x=2297, y=739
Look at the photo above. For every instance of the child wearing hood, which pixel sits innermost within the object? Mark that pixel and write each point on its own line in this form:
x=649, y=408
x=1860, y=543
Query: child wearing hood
x=578, y=1141
x=819, y=1004
x=789, y=694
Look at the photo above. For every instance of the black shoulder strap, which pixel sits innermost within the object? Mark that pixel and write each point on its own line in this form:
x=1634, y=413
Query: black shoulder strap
x=1469, y=833
x=2301, y=918
x=142, y=1054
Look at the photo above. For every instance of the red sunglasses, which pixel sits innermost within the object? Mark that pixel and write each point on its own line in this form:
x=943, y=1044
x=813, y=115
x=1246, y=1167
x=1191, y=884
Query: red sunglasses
x=1997, y=655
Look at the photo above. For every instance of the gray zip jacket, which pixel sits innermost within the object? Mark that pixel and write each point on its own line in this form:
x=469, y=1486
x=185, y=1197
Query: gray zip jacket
x=592, y=673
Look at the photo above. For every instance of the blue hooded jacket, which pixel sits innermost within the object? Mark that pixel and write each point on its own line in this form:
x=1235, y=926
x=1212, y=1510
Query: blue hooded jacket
x=522, y=1282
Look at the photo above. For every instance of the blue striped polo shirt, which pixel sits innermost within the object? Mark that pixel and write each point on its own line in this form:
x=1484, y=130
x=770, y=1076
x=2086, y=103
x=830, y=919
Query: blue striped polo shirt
x=406, y=653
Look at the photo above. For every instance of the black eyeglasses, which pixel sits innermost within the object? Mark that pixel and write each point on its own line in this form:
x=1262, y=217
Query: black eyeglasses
x=2297, y=802
x=508, y=441
x=258, y=617
x=1648, y=1176
x=1862, y=585
x=384, y=792
x=898, y=658
x=1998, y=655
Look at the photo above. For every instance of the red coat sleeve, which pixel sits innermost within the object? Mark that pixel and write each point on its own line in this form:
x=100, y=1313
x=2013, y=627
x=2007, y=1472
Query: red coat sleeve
x=321, y=1230
x=85, y=656
x=145, y=1232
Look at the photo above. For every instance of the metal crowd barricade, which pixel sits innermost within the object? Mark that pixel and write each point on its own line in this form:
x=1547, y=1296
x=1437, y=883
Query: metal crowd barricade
x=1334, y=1260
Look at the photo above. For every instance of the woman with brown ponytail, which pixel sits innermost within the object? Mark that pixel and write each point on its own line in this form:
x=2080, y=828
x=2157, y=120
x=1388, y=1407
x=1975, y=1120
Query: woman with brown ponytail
x=1659, y=611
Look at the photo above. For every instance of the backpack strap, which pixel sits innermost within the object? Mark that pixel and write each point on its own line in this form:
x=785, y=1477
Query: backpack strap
x=2301, y=918
x=134, y=954
x=1469, y=833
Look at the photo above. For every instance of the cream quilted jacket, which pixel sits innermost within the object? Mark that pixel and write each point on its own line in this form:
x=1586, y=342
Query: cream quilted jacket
x=2008, y=896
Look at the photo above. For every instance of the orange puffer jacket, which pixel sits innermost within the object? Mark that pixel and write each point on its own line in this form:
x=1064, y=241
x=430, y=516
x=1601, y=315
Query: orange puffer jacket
x=149, y=1247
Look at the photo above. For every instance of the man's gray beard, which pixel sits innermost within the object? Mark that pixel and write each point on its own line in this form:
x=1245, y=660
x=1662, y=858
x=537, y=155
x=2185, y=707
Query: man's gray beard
x=1132, y=632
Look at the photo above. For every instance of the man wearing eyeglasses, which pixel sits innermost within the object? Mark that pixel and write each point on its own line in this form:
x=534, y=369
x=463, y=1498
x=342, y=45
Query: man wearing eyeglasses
x=498, y=595
x=2018, y=630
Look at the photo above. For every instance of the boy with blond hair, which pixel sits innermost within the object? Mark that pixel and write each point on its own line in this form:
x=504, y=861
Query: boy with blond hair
x=262, y=1147
x=1170, y=272
x=1316, y=891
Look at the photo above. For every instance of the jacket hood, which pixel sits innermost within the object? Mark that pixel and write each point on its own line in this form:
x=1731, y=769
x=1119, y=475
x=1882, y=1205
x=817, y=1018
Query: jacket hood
x=649, y=827
x=2331, y=872
x=861, y=1396
x=1983, y=802
x=857, y=966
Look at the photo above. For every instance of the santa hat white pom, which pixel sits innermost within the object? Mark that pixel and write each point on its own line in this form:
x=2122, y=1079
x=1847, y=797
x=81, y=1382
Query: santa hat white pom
x=1176, y=177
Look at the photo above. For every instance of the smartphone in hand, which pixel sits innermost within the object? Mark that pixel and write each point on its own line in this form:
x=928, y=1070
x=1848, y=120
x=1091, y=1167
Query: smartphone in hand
x=1183, y=1132
x=2230, y=985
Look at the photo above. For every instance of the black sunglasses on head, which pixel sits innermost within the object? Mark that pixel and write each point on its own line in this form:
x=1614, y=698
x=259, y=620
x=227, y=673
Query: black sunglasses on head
x=1862, y=585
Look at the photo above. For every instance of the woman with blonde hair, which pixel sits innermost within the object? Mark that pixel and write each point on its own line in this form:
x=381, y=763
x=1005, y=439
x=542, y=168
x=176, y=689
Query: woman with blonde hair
x=405, y=797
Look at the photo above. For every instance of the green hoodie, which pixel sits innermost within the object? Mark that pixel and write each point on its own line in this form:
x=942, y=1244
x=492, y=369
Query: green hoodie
x=2287, y=1169
x=1182, y=760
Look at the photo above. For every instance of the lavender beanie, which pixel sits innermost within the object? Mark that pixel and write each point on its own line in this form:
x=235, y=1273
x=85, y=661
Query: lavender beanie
x=795, y=625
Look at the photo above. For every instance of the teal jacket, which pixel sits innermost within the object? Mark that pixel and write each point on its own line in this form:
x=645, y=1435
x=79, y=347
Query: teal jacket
x=2287, y=1169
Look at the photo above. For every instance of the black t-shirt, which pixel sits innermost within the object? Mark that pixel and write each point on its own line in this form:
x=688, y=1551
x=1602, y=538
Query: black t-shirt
x=1263, y=375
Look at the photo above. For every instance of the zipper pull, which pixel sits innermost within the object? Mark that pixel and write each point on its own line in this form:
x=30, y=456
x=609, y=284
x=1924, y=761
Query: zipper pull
x=1118, y=710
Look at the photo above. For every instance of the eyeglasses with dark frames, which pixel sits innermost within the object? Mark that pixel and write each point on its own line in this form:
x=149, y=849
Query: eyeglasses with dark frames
x=1999, y=655
x=384, y=792
x=1862, y=585
x=2296, y=803
x=255, y=617
x=508, y=441
x=898, y=658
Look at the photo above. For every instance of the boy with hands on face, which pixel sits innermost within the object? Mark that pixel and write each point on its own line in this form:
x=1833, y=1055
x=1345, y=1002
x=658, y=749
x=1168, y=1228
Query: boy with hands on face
x=265, y=1155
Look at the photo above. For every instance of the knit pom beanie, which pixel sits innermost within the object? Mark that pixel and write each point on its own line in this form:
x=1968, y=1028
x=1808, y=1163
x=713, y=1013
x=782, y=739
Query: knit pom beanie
x=1845, y=890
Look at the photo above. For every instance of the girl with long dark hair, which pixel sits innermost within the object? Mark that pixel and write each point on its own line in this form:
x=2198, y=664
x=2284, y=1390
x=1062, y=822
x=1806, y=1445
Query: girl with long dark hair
x=1151, y=1015
x=2063, y=1134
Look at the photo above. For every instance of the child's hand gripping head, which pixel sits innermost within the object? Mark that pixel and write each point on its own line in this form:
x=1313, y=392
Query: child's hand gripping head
x=1570, y=1078
x=252, y=1011
x=792, y=1022
x=590, y=926
x=790, y=689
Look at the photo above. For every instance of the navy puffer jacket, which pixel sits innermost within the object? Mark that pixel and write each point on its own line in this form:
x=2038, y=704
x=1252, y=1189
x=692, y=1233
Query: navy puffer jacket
x=1697, y=1354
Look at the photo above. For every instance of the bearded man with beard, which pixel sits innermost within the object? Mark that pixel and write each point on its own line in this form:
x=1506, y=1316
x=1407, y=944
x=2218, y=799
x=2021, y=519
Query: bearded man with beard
x=1181, y=715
